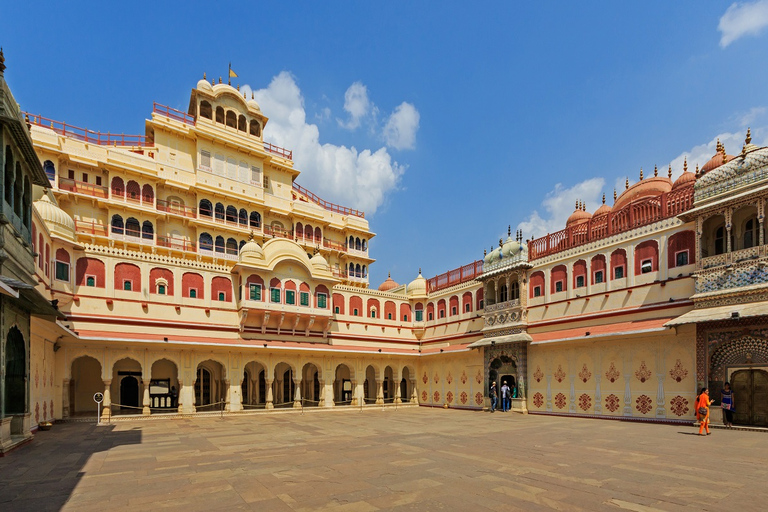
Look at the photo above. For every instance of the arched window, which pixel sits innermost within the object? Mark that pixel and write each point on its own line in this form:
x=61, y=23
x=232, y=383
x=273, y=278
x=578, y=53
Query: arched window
x=231, y=246
x=118, y=187
x=133, y=191
x=318, y=235
x=231, y=119
x=646, y=257
x=218, y=211
x=618, y=264
x=221, y=289
x=358, y=271
x=255, y=128
x=132, y=227
x=117, y=225
x=559, y=279
x=220, y=115
x=148, y=194
x=240, y=245
x=206, y=208
x=720, y=240
x=243, y=217
x=17, y=191
x=299, y=230
x=127, y=277
x=219, y=245
x=205, y=110
x=365, y=271
x=90, y=272
x=681, y=248
x=308, y=232
x=358, y=245
x=147, y=231
x=351, y=270
x=537, y=284
x=26, y=203
x=192, y=286
x=750, y=233
x=206, y=242
x=61, y=272
x=242, y=123
x=255, y=219
x=365, y=245
x=351, y=244
x=503, y=295
x=50, y=170
x=231, y=214
x=8, y=175
x=514, y=291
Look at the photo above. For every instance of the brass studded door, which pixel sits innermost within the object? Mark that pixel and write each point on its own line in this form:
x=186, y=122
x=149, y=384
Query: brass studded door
x=750, y=390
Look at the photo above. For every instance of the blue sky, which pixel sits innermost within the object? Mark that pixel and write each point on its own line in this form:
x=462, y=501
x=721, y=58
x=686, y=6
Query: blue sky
x=463, y=120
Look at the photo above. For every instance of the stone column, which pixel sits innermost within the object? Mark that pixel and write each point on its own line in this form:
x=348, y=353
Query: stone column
x=355, y=393
x=761, y=234
x=146, y=411
x=598, y=395
x=321, y=398
x=269, y=404
x=414, y=392
x=660, y=410
x=398, y=399
x=227, y=394
x=235, y=402
x=279, y=391
x=297, y=393
x=328, y=393
x=65, y=399
x=255, y=393
x=106, y=405
x=627, y=395
x=379, y=391
x=186, y=398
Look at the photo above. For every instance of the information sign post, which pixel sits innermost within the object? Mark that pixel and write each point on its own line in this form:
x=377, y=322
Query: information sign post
x=98, y=398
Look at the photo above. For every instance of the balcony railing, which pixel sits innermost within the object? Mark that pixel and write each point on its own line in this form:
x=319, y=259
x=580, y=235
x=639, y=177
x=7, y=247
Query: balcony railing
x=81, y=187
x=331, y=207
x=734, y=257
x=176, y=208
x=176, y=243
x=634, y=215
x=88, y=136
x=455, y=276
x=223, y=218
x=90, y=228
x=172, y=113
x=335, y=246
x=277, y=150
x=278, y=232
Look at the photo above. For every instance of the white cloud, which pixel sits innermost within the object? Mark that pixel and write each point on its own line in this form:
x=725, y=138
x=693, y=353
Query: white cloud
x=754, y=114
x=401, y=127
x=559, y=204
x=357, y=105
x=323, y=115
x=741, y=20
x=358, y=179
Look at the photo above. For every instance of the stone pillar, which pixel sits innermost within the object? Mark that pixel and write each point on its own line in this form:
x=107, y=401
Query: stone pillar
x=279, y=398
x=728, y=244
x=355, y=393
x=65, y=399
x=660, y=410
x=379, y=391
x=297, y=393
x=627, y=395
x=187, y=398
x=235, y=396
x=321, y=398
x=598, y=395
x=106, y=405
x=255, y=394
x=328, y=395
x=414, y=392
x=761, y=234
x=146, y=411
x=269, y=402
x=227, y=394
x=398, y=399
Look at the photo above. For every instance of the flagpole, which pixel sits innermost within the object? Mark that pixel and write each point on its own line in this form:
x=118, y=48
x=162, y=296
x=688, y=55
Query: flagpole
x=229, y=74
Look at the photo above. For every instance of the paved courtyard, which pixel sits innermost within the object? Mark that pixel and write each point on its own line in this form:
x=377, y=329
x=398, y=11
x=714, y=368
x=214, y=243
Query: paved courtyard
x=407, y=459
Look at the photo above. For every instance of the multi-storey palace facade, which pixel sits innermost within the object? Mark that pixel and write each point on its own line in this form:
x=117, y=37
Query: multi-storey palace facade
x=192, y=273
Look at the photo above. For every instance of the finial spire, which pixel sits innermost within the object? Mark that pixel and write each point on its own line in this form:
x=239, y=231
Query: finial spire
x=509, y=230
x=577, y=205
x=614, y=194
x=219, y=79
x=655, y=171
x=603, y=197
x=501, y=243
x=748, y=140
x=252, y=96
x=641, y=174
x=626, y=183
x=419, y=270
x=685, y=164
x=697, y=169
x=389, y=275
x=718, y=146
x=204, y=77
x=485, y=253
x=250, y=237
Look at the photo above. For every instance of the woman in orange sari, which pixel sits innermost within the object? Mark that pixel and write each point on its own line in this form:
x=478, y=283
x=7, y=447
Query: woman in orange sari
x=702, y=410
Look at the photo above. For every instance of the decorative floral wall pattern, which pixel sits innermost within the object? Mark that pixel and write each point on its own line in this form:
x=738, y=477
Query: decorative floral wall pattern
x=559, y=375
x=678, y=405
x=612, y=402
x=678, y=373
x=538, y=400
x=644, y=404
x=585, y=402
x=612, y=374
x=643, y=373
x=538, y=374
x=560, y=400
x=585, y=374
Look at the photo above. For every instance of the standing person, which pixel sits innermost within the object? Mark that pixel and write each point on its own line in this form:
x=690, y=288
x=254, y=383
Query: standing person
x=504, y=397
x=174, y=397
x=702, y=410
x=726, y=402
x=492, y=395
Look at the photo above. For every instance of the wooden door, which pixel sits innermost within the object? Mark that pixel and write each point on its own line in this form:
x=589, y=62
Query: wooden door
x=750, y=390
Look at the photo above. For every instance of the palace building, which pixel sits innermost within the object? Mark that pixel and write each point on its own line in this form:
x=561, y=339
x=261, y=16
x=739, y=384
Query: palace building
x=185, y=270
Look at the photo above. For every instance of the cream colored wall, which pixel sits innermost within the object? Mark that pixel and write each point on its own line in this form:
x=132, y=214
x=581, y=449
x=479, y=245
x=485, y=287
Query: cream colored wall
x=635, y=376
x=43, y=398
x=455, y=379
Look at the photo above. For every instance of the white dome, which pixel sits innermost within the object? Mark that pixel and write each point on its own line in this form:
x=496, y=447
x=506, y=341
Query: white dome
x=204, y=85
x=418, y=286
x=318, y=261
x=57, y=220
x=251, y=250
x=254, y=105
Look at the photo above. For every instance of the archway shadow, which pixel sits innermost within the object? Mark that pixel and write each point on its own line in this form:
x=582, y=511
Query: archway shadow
x=43, y=474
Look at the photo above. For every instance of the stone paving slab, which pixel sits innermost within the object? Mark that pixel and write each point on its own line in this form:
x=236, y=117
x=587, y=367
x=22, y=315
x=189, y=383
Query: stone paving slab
x=409, y=459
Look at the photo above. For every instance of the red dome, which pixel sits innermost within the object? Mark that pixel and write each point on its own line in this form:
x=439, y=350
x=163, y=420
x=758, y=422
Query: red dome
x=578, y=217
x=388, y=284
x=684, y=179
x=649, y=187
x=716, y=161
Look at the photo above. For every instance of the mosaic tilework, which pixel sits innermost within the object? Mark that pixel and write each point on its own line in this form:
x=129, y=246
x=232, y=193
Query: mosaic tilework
x=737, y=278
x=735, y=174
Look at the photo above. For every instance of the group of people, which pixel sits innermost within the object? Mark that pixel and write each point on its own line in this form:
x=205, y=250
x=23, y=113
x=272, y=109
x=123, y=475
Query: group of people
x=702, y=408
x=507, y=394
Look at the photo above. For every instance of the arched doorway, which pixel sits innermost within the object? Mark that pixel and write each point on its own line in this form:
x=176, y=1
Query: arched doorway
x=129, y=394
x=342, y=385
x=750, y=391
x=254, y=385
x=405, y=385
x=389, y=385
x=209, y=386
x=85, y=382
x=502, y=369
x=369, y=386
x=164, y=385
x=15, y=373
x=284, y=389
x=310, y=385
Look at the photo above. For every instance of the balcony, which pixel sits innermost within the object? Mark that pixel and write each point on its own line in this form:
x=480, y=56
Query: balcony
x=176, y=209
x=456, y=276
x=89, y=136
x=334, y=246
x=172, y=113
x=131, y=235
x=91, y=228
x=80, y=187
x=278, y=232
x=177, y=244
x=734, y=257
x=331, y=207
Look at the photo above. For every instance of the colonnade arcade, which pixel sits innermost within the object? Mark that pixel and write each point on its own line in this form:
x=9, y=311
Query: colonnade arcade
x=214, y=385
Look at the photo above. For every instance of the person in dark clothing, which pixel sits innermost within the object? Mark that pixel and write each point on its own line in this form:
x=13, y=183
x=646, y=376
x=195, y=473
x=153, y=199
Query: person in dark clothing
x=493, y=396
x=726, y=402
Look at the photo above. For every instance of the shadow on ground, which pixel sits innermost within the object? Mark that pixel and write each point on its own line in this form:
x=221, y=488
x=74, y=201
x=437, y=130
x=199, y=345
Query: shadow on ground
x=42, y=475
